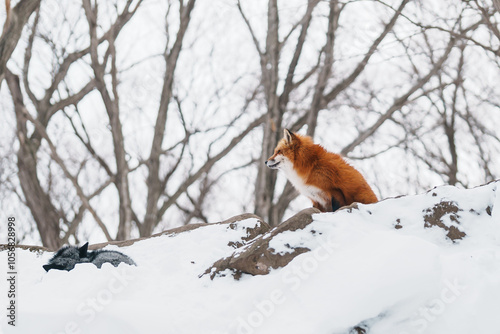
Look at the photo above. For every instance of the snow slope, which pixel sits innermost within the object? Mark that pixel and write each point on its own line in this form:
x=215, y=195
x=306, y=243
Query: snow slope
x=378, y=268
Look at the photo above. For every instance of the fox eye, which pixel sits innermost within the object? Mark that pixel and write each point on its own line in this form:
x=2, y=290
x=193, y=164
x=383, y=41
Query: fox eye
x=279, y=152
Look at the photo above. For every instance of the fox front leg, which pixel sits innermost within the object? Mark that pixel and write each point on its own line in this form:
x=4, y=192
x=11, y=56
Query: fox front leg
x=319, y=207
x=335, y=206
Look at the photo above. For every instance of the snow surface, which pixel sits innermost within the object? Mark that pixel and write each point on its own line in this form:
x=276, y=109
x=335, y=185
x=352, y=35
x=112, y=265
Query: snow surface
x=361, y=271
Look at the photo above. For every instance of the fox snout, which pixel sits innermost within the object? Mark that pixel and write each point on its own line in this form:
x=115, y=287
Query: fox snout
x=271, y=163
x=274, y=161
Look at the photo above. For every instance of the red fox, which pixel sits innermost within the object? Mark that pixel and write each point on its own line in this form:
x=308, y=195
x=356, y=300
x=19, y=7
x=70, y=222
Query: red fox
x=324, y=177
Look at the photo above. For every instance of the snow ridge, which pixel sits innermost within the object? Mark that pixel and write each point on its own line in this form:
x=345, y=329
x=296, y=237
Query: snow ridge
x=418, y=264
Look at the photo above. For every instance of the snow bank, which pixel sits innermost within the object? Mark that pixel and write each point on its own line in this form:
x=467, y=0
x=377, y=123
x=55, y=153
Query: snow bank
x=390, y=267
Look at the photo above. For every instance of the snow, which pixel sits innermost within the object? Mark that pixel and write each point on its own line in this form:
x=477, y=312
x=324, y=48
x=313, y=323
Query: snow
x=361, y=271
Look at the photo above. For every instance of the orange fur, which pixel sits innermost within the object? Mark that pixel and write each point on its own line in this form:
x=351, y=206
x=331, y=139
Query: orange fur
x=324, y=177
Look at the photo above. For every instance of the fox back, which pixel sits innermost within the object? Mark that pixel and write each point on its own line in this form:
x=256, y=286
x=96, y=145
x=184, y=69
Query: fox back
x=67, y=257
x=100, y=257
x=324, y=177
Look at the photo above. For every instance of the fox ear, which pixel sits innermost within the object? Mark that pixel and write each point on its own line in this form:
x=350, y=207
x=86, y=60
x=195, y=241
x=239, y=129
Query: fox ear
x=288, y=135
x=83, y=250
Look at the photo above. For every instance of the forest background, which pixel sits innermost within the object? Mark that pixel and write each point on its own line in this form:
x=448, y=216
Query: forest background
x=123, y=118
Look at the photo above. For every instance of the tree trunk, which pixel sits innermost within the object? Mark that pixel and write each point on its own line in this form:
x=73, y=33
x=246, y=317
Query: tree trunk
x=156, y=185
x=44, y=213
x=266, y=178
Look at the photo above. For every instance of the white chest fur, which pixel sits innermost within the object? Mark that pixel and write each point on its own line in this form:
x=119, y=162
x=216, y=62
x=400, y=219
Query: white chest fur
x=312, y=192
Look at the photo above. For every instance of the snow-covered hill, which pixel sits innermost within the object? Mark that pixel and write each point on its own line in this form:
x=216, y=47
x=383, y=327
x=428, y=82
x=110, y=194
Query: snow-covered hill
x=418, y=264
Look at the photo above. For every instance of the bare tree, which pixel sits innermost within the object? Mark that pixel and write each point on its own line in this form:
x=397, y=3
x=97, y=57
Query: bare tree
x=47, y=217
x=457, y=111
x=440, y=79
x=56, y=223
x=278, y=103
x=403, y=87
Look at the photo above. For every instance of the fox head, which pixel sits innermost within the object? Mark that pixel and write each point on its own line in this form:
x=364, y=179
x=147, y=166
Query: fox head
x=67, y=257
x=284, y=151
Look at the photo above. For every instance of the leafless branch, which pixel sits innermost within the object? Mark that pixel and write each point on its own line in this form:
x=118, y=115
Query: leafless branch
x=332, y=94
x=400, y=101
x=16, y=20
x=208, y=165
